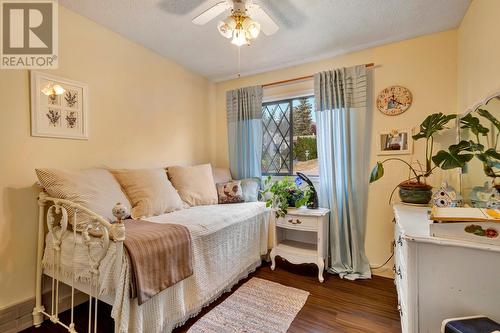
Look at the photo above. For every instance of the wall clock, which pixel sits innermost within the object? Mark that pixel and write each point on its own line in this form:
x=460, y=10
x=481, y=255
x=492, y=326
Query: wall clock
x=394, y=100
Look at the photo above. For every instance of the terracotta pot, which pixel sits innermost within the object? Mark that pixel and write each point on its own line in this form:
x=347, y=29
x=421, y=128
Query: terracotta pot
x=415, y=193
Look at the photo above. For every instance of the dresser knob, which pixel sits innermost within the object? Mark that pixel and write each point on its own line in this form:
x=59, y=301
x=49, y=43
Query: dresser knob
x=290, y=221
x=298, y=221
x=399, y=273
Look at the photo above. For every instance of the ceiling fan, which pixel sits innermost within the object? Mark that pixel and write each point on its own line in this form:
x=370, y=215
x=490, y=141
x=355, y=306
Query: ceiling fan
x=246, y=21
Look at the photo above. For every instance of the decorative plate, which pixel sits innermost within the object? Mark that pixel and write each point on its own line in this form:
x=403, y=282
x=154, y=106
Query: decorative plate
x=394, y=100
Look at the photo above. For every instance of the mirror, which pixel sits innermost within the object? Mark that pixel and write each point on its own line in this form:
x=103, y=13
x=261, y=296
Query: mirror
x=481, y=127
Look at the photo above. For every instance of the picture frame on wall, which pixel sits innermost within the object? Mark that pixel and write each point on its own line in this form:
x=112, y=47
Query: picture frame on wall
x=395, y=142
x=59, y=107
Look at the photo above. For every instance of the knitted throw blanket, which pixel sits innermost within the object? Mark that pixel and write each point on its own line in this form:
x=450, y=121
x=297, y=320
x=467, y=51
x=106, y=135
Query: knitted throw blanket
x=160, y=256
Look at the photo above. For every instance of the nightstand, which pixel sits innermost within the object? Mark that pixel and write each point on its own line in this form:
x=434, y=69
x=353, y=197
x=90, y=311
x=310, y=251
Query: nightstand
x=301, y=237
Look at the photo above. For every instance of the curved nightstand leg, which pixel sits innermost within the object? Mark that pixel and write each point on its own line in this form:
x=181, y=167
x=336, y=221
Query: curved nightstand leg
x=273, y=262
x=321, y=268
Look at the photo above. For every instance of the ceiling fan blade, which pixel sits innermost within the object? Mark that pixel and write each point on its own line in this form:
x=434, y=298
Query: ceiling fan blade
x=267, y=25
x=211, y=13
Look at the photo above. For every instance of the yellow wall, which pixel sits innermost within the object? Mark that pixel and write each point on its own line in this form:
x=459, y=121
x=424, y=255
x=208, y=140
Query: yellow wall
x=145, y=111
x=426, y=65
x=479, y=53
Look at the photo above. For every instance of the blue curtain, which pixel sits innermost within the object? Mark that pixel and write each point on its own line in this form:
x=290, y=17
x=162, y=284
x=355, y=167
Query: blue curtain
x=343, y=126
x=244, y=125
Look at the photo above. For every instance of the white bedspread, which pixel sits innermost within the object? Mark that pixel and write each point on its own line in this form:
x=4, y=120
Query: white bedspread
x=228, y=241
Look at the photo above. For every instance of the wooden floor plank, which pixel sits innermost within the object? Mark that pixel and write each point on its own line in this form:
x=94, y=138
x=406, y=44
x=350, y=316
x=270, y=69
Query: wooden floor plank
x=337, y=305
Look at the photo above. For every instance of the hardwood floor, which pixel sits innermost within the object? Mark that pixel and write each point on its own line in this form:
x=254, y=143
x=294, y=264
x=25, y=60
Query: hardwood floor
x=333, y=306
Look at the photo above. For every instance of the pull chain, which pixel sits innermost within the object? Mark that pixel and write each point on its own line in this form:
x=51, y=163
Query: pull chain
x=239, y=62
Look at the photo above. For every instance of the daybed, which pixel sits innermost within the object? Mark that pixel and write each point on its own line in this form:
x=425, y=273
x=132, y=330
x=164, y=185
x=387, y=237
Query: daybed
x=228, y=242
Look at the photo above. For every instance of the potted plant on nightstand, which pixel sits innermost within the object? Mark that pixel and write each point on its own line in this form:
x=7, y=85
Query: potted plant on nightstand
x=415, y=189
x=285, y=193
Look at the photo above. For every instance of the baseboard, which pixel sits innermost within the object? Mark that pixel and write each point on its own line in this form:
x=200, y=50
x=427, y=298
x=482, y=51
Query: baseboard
x=19, y=316
x=384, y=271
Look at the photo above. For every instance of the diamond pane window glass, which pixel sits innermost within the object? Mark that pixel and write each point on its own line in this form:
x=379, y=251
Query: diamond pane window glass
x=289, y=137
x=276, y=150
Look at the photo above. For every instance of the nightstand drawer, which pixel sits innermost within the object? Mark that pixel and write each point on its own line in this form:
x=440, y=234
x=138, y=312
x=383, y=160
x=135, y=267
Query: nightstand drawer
x=298, y=222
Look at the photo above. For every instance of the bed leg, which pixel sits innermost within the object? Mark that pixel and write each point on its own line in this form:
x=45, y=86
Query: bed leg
x=37, y=311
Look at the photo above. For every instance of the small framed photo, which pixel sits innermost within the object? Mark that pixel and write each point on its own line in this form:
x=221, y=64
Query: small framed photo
x=59, y=107
x=395, y=142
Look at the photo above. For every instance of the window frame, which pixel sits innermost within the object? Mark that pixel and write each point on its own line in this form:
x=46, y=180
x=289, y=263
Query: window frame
x=283, y=101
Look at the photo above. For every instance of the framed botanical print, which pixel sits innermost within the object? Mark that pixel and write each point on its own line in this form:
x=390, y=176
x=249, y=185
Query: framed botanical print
x=59, y=107
x=395, y=142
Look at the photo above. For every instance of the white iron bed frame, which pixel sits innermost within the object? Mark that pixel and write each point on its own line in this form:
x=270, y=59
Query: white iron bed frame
x=57, y=223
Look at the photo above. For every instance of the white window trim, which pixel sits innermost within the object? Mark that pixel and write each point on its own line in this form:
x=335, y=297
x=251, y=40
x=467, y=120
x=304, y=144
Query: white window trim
x=302, y=93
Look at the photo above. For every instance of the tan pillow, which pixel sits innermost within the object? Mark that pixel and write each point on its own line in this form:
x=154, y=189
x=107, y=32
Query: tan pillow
x=221, y=175
x=149, y=191
x=95, y=189
x=195, y=184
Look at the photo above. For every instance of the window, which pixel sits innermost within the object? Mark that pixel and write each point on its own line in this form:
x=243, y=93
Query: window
x=289, y=141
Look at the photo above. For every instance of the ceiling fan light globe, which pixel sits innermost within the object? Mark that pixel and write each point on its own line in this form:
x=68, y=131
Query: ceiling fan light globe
x=253, y=30
x=239, y=38
x=224, y=29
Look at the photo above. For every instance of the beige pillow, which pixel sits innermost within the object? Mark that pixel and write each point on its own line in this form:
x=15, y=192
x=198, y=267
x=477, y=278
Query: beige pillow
x=95, y=189
x=195, y=184
x=149, y=191
x=221, y=175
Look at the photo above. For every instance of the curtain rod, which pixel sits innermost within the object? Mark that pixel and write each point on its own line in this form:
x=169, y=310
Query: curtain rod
x=301, y=78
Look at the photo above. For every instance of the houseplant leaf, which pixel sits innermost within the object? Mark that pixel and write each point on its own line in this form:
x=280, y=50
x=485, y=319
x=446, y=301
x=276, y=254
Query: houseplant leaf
x=474, y=124
x=377, y=172
x=456, y=156
x=486, y=114
x=490, y=159
x=432, y=124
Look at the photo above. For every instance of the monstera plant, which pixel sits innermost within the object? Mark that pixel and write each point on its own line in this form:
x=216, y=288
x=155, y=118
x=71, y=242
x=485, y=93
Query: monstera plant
x=484, y=147
x=415, y=189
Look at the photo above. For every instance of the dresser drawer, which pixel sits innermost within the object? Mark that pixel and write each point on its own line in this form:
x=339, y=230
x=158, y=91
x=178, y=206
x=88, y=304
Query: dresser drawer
x=298, y=222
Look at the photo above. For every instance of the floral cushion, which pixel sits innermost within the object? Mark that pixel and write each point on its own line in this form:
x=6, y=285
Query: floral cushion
x=230, y=192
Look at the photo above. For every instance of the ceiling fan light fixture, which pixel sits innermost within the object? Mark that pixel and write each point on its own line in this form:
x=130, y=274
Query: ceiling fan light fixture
x=239, y=38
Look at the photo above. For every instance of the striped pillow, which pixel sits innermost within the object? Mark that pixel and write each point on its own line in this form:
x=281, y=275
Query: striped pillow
x=95, y=189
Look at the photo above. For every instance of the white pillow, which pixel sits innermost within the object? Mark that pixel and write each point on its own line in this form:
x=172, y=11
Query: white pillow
x=250, y=188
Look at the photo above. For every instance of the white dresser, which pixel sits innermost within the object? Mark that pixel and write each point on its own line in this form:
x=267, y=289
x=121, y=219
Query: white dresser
x=438, y=278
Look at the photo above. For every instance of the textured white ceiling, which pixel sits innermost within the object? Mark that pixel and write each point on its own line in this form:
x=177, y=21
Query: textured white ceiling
x=309, y=29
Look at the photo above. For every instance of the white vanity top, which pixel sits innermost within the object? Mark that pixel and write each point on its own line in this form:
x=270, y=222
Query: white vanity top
x=414, y=224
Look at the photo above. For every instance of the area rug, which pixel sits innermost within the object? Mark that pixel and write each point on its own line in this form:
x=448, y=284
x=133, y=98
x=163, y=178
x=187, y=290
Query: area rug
x=258, y=306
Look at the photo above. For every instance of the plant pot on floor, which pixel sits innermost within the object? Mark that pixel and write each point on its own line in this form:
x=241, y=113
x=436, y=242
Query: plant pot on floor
x=415, y=193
